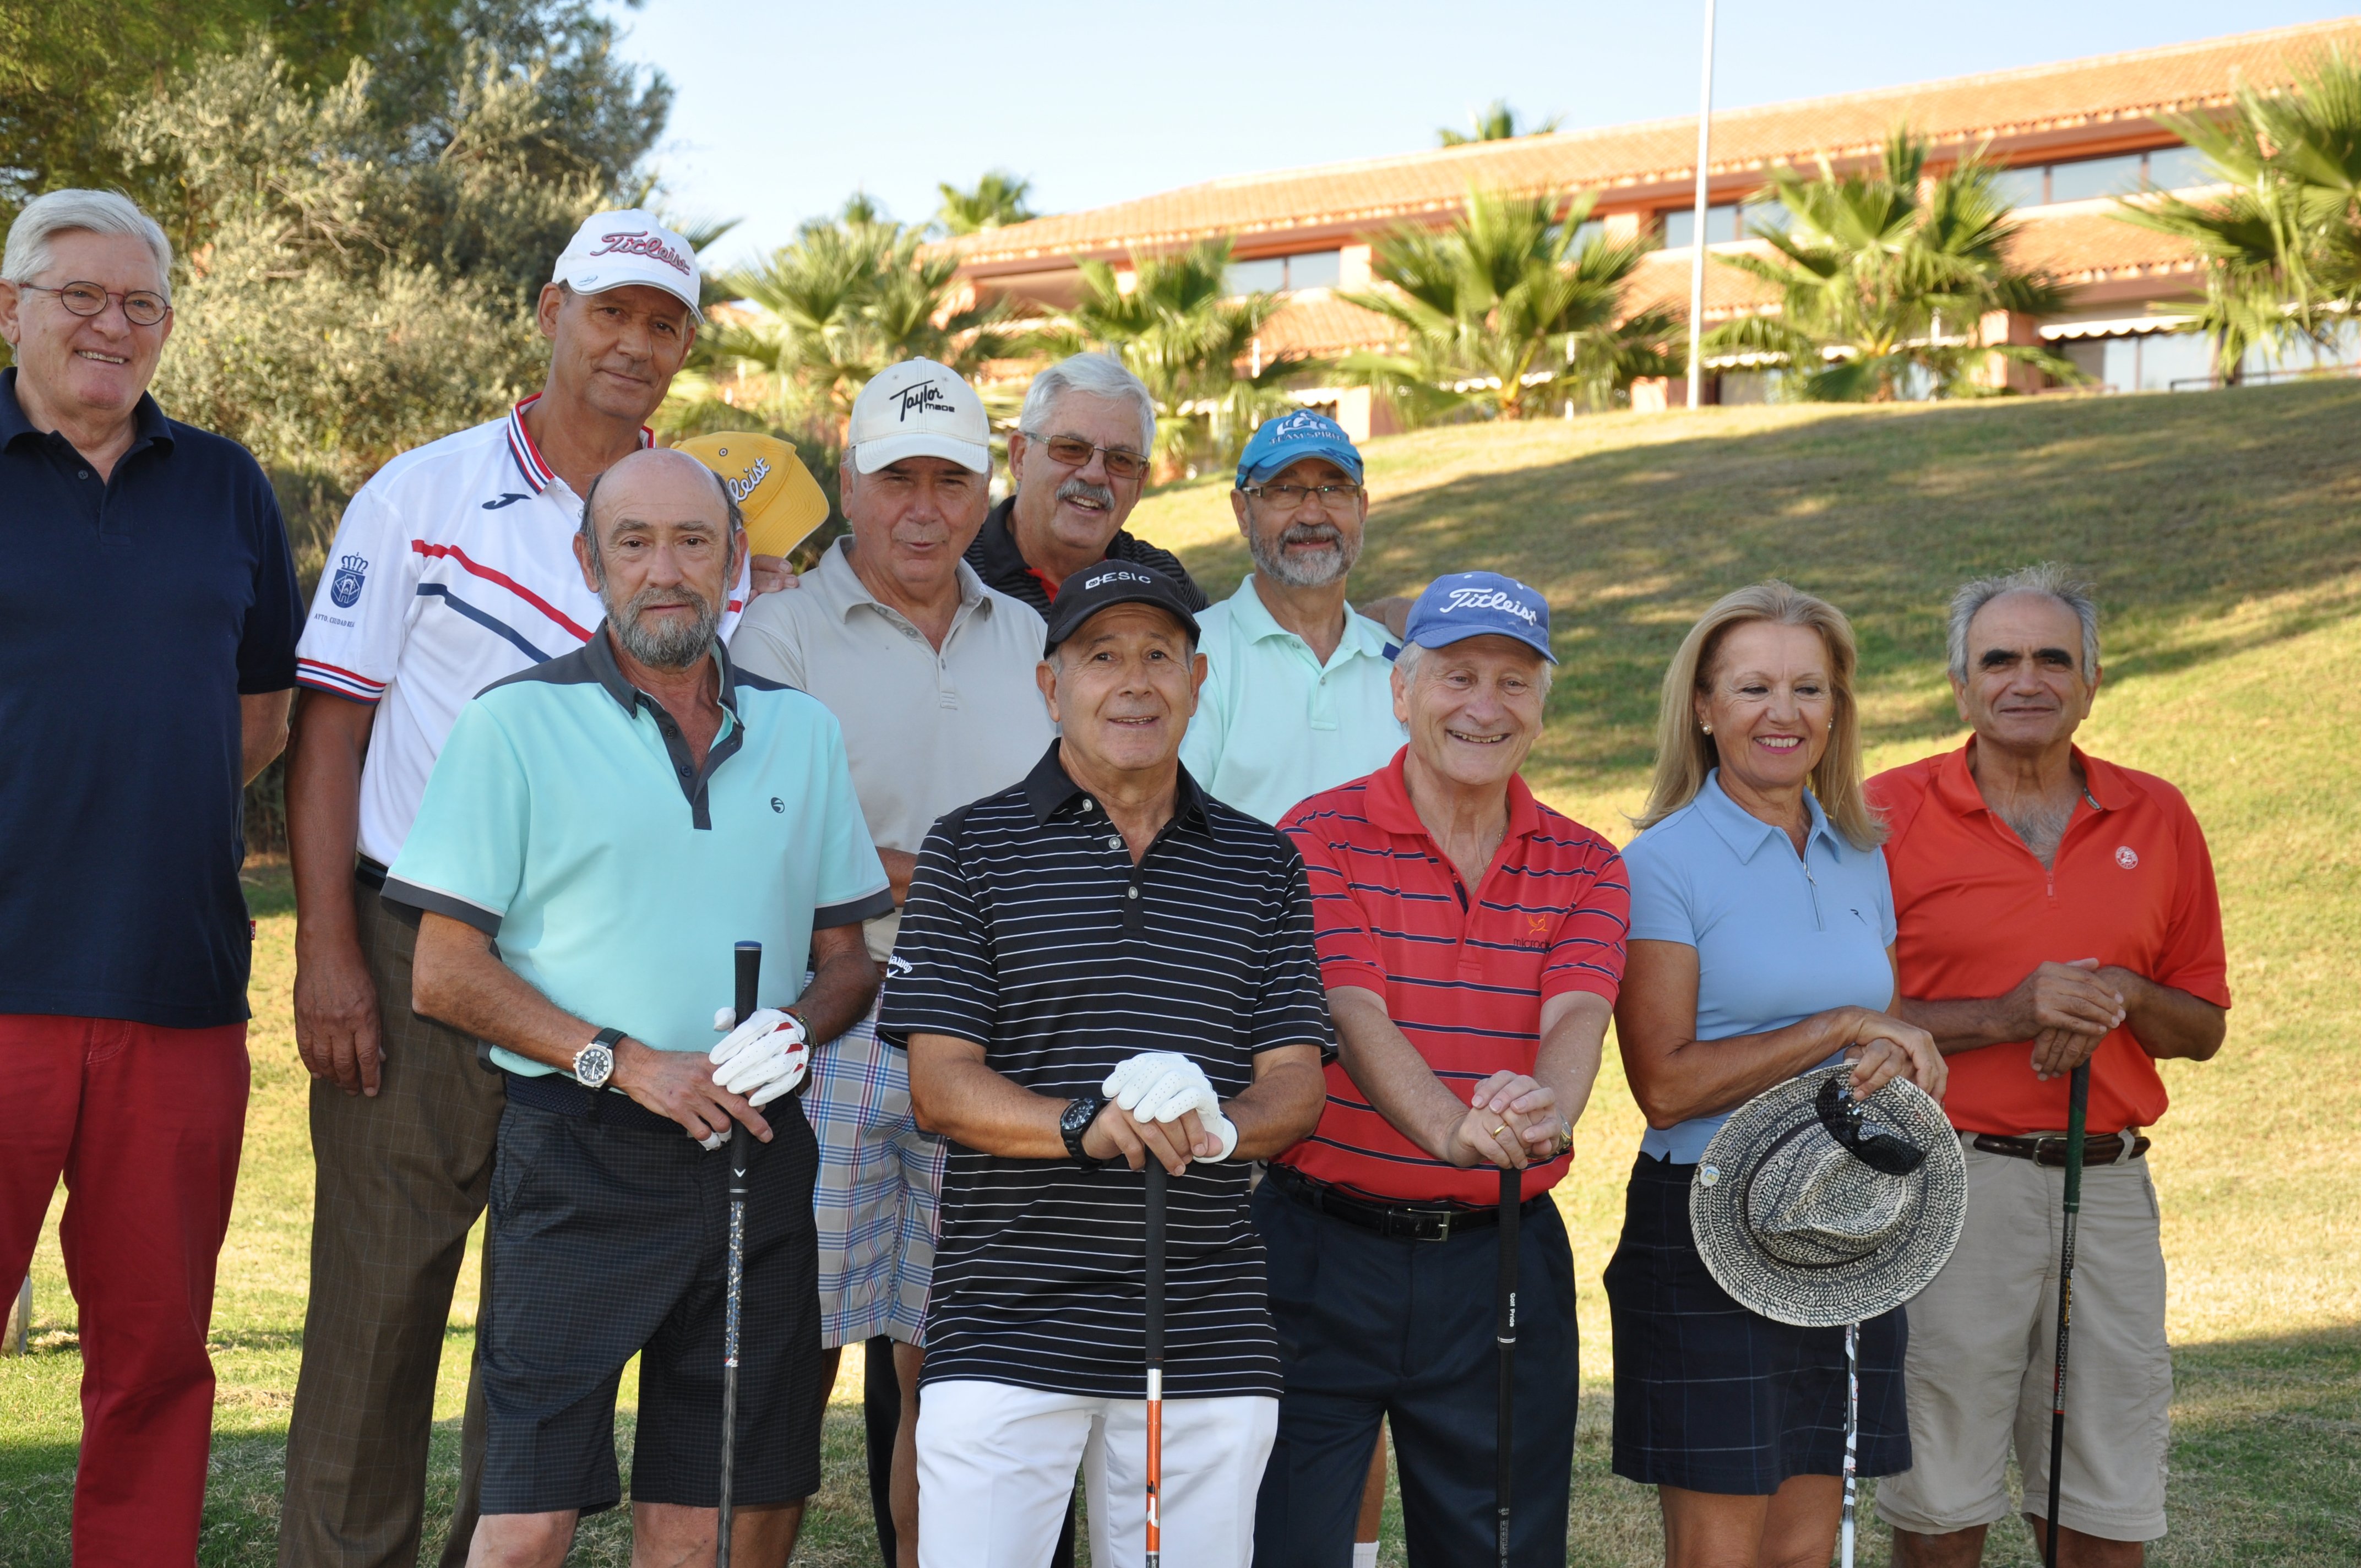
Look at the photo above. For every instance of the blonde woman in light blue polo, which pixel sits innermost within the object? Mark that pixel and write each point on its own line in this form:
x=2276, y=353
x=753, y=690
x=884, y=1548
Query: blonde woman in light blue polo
x=1762, y=945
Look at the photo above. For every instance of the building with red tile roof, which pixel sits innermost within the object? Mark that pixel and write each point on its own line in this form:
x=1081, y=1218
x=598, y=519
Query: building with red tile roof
x=2070, y=135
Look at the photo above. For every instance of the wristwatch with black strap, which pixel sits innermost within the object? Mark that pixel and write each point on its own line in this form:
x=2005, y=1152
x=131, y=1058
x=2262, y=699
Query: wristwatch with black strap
x=594, y=1064
x=1075, y=1122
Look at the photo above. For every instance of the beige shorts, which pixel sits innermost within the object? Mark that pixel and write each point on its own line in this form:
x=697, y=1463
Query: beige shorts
x=1983, y=1344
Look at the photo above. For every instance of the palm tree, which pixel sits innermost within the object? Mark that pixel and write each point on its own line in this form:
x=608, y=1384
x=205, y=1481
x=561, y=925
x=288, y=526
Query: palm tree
x=1183, y=333
x=2283, y=247
x=852, y=295
x=998, y=201
x=1498, y=122
x=1872, y=269
x=1510, y=308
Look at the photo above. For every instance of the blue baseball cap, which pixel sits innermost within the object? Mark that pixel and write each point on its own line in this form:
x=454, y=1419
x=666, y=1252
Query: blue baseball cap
x=1479, y=604
x=1291, y=438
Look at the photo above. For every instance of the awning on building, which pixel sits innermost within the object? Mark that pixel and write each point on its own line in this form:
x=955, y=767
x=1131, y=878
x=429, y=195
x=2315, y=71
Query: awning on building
x=2127, y=326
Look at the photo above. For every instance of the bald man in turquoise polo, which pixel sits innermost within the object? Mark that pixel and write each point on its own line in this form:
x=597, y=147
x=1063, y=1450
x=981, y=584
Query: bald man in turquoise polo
x=1297, y=694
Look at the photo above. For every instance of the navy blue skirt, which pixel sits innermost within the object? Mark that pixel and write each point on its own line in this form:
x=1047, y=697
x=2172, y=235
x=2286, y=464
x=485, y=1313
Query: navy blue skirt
x=1716, y=1399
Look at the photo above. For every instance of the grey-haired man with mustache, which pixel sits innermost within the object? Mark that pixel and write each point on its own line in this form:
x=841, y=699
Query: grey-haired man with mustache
x=1076, y=460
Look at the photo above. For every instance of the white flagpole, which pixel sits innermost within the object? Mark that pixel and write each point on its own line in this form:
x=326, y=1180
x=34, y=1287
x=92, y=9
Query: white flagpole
x=1696, y=255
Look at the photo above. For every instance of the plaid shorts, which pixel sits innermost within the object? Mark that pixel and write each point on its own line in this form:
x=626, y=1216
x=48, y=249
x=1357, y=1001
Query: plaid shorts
x=878, y=1200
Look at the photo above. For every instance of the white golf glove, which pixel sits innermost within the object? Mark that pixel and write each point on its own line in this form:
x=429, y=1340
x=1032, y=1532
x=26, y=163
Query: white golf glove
x=1163, y=1086
x=763, y=1058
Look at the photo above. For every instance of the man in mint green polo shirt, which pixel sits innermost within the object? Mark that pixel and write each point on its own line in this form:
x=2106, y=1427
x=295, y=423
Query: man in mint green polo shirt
x=597, y=834
x=1298, y=694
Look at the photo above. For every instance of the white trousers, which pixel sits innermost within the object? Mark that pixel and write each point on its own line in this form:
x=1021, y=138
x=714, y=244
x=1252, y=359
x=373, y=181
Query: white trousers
x=996, y=1464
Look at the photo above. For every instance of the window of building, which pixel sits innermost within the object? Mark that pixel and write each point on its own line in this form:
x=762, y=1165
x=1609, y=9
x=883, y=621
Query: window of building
x=1284, y=274
x=2088, y=177
x=2082, y=179
x=2144, y=362
x=1721, y=225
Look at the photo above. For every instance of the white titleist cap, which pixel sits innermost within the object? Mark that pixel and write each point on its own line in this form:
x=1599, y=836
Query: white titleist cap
x=919, y=409
x=614, y=251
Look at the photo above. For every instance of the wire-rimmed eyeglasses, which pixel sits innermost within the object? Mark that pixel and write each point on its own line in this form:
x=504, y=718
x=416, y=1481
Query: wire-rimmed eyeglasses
x=1292, y=497
x=141, y=307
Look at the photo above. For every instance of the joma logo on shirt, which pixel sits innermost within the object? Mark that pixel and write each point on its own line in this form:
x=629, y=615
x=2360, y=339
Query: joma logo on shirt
x=1537, y=932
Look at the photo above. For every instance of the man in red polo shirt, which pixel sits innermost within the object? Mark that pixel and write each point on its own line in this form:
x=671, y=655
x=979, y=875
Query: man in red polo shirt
x=1471, y=941
x=2054, y=909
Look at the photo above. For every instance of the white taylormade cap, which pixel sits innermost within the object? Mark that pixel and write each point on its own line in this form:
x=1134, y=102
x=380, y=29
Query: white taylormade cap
x=919, y=409
x=613, y=250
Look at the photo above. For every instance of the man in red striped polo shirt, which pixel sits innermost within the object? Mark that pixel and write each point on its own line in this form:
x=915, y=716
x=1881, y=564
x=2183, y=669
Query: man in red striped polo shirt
x=1471, y=941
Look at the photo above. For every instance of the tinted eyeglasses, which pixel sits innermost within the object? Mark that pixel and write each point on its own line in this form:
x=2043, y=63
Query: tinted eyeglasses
x=1074, y=451
x=1848, y=1122
x=141, y=307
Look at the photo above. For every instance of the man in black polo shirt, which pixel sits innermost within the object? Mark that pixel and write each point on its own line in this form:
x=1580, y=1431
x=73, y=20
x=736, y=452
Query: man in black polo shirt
x=1102, y=923
x=152, y=616
x=1076, y=460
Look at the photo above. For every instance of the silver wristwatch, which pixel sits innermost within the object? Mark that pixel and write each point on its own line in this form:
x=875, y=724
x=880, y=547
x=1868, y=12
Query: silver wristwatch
x=594, y=1064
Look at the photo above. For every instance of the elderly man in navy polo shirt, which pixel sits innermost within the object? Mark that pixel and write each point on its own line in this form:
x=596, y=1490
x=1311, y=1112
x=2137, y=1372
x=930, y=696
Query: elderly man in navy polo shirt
x=144, y=680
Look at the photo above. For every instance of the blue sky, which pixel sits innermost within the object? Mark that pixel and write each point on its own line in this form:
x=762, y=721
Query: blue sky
x=783, y=109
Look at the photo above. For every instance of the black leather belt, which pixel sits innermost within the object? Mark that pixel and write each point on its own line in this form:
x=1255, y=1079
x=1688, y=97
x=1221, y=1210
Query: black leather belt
x=607, y=1107
x=1400, y=1221
x=2050, y=1149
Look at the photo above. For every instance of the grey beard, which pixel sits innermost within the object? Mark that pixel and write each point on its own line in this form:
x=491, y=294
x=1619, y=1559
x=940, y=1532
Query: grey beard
x=1273, y=560
x=668, y=645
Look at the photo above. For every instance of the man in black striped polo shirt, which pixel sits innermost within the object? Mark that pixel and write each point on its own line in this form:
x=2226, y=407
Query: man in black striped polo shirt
x=1105, y=927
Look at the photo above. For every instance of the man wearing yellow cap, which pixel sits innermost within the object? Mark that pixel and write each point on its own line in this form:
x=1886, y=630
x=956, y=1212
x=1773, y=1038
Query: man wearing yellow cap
x=931, y=676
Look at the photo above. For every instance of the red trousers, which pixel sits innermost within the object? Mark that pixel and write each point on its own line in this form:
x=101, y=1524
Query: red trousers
x=145, y=1124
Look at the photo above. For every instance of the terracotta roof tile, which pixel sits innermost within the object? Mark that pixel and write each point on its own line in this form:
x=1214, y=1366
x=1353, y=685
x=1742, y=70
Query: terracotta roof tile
x=2120, y=90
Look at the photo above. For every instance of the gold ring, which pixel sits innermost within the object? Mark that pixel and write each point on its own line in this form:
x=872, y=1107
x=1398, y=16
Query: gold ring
x=1499, y=1130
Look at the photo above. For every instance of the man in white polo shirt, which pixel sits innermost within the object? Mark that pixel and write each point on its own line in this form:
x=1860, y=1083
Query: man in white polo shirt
x=1299, y=688
x=931, y=674
x=453, y=568
x=599, y=833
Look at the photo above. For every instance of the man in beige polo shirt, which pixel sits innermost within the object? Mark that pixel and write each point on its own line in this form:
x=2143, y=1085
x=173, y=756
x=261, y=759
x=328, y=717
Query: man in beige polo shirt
x=930, y=675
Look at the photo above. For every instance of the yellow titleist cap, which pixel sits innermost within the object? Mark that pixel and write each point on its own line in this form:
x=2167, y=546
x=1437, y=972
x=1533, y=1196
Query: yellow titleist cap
x=782, y=502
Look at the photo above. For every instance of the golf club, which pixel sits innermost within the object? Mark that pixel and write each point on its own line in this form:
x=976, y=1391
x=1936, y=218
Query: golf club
x=1504, y=1330
x=2077, y=1107
x=1852, y=1441
x=1156, y=1181
x=750, y=973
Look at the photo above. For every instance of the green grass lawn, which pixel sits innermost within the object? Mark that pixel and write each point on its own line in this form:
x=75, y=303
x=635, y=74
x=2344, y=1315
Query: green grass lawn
x=2223, y=531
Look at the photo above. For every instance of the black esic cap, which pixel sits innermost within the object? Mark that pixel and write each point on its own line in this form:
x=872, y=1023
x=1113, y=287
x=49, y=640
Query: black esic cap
x=1106, y=585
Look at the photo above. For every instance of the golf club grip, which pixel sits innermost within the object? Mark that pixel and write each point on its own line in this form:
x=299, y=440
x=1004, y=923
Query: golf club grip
x=1513, y=1199
x=1157, y=1179
x=2078, y=1112
x=749, y=989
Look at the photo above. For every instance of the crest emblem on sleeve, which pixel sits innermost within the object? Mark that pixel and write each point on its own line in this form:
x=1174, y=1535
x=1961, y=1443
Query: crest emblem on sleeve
x=344, y=588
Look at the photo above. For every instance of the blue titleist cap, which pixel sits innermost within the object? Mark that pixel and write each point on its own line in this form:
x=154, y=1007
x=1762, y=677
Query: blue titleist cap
x=1291, y=438
x=1479, y=604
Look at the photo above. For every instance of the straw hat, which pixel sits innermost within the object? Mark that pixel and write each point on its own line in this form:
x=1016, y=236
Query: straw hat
x=1814, y=1211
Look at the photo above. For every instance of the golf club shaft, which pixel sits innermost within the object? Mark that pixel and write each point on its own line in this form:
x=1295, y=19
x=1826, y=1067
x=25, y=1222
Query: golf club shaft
x=2078, y=1108
x=1157, y=1178
x=749, y=976
x=1512, y=1200
x=1852, y=1441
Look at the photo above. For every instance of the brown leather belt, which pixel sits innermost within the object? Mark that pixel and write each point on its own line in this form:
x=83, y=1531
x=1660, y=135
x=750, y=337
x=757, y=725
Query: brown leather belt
x=1403, y=1221
x=2051, y=1150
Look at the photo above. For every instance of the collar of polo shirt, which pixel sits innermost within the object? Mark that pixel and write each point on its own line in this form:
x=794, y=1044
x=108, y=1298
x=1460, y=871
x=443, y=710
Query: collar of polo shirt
x=1050, y=789
x=1746, y=833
